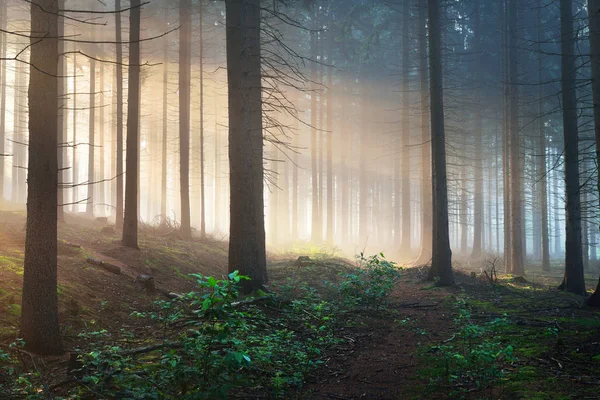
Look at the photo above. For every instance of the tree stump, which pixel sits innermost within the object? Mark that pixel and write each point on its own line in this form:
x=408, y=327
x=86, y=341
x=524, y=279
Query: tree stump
x=594, y=300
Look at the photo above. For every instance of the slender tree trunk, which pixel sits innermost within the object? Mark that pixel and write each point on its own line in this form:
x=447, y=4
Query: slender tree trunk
x=406, y=186
x=441, y=266
x=506, y=140
x=542, y=170
x=574, y=280
x=75, y=166
x=185, y=50
x=100, y=193
x=363, y=220
x=130, y=225
x=516, y=237
x=594, y=26
x=247, y=228
x=91, y=140
x=295, y=182
x=39, y=317
x=119, y=213
x=3, y=81
x=478, y=200
x=18, y=137
x=202, y=161
x=61, y=127
x=165, y=121
x=426, y=195
x=330, y=91
x=316, y=226
x=464, y=211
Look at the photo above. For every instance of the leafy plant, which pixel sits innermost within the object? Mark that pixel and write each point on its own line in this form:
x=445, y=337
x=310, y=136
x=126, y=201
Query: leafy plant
x=472, y=360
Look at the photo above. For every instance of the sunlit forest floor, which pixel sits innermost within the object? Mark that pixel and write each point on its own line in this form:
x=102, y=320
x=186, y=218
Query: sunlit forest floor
x=510, y=337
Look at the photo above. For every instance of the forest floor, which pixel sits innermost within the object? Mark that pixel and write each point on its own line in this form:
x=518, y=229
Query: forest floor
x=505, y=338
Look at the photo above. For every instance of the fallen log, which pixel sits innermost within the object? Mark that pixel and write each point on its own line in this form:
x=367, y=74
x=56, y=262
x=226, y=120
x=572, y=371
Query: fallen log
x=102, y=264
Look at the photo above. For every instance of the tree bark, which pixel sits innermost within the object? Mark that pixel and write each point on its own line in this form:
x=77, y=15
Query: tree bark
x=406, y=246
x=130, y=225
x=516, y=238
x=573, y=281
x=478, y=126
x=3, y=80
x=119, y=70
x=202, y=161
x=542, y=169
x=61, y=127
x=426, y=195
x=91, y=140
x=39, y=318
x=441, y=266
x=594, y=26
x=185, y=50
x=247, y=251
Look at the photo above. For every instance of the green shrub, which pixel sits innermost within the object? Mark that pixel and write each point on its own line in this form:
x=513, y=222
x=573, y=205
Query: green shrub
x=370, y=284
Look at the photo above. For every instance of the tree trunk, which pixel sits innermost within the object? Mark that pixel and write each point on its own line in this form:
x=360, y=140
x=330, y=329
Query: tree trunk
x=516, y=224
x=61, y=127
x=130, y=225
x=573, y=281
x=91, y=140
x=3, y=81
x=202, y=177
x=316, y=226
x=247, y=229
x=426, y=206
x=441, y=266
x=119, y=213
x=165, y=122
x=100, y=193
x=75, y=166
x=506, y=139
x=478, y=195
x=330, y=199
x=405, y=142
x=39, y=318
x=594, y=26
x=185, y=50
x=542, y=184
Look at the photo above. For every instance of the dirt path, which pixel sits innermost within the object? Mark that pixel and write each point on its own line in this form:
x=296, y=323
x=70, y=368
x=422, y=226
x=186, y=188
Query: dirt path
x=379, y=359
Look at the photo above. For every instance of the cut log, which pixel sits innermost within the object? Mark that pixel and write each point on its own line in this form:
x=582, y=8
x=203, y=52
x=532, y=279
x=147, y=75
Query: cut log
x=107, y=266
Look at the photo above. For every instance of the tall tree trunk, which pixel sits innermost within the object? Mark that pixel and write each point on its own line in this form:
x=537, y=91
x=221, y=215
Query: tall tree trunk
x=202, y=175
x=119, y=210
x=506, y=138
x=165, y=121
x=406, y=190
x=330, y=199
x=542, y=169
x=91, y=140
x=426, y=206
x=464, y=211
x=594, y=26
x=100, y=193
x=130, y=222
x=61, y=127
x=39, y=317
x=247, y=228
x=574, y=280
x=478, y=200
x=185, y=50
x=441, y=266
x=3, y=81
x=516, y=224
x=316, y=226
x=75, y=166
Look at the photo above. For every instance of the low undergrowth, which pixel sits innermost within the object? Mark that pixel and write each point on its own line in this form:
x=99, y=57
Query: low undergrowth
x=213, y=343
x=516, y=341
